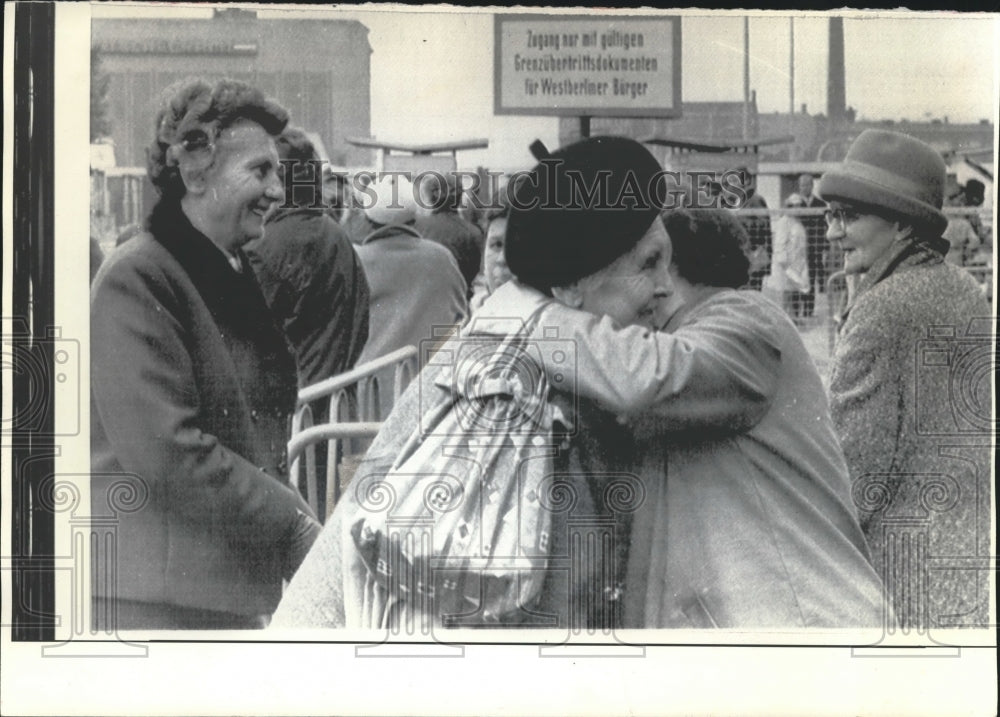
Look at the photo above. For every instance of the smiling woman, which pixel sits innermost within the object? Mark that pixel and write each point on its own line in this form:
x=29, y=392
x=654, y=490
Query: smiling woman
x=632, y=289
x=192, y=383
x=238, y=190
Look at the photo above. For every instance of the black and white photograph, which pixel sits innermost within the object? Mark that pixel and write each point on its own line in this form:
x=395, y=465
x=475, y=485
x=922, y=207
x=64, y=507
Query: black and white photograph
x=596, y=353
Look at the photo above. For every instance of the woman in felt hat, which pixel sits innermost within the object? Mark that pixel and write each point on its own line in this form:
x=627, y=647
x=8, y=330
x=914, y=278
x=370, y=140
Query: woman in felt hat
x=900, y=413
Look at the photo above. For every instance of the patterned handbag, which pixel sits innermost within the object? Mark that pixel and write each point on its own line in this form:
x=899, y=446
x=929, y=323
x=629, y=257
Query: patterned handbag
x=465, y=536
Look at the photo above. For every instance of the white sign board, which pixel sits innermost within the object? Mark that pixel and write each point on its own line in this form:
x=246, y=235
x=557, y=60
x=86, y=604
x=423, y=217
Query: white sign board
x=587, y=65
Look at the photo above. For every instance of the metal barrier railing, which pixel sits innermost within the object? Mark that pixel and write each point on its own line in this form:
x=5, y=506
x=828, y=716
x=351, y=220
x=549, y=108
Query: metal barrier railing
x=350, y=417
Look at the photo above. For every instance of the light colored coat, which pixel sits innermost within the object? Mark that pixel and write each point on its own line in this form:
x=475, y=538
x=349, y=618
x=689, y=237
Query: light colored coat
x=333, y=587
x=789, y=260
x=747, y=520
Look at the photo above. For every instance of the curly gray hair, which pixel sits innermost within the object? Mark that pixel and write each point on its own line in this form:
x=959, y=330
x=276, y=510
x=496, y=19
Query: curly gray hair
x=192, y=114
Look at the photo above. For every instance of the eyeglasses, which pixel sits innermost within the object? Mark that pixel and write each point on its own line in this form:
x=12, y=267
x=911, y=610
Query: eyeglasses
x=840, y=215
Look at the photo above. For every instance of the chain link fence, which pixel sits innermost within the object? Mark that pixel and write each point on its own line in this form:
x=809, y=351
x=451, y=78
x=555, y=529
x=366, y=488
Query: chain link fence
x=779, y=233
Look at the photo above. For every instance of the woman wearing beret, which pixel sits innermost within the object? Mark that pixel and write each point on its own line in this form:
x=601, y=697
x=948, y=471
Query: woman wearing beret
x=725, y=486
x=338, y=586
x=192, y=384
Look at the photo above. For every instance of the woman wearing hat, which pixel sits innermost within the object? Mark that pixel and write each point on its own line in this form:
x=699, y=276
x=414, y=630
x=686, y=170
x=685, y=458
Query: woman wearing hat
x=755, y=497
x=610, y=262
x=899, y=414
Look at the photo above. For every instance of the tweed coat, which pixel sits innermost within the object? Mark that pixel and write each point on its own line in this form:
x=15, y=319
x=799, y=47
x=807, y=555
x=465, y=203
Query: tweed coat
x=910, y=396
x=192, y=387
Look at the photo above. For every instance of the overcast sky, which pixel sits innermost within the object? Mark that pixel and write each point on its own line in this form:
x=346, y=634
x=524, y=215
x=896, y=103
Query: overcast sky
x=432, y=69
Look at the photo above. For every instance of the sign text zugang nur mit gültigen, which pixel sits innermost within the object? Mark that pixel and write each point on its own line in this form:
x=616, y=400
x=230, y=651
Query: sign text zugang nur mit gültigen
x=582, y=65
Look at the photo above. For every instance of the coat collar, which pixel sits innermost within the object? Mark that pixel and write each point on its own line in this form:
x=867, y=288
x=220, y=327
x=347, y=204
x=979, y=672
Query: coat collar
x=390, y=230
x=701, y=294
x=232, y=297
x=902, y=255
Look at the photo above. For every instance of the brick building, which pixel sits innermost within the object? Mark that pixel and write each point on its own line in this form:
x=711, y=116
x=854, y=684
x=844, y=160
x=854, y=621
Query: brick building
x=319, y=69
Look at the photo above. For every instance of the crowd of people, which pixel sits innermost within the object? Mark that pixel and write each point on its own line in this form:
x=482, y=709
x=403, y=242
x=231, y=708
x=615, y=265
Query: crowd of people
x=626, y=371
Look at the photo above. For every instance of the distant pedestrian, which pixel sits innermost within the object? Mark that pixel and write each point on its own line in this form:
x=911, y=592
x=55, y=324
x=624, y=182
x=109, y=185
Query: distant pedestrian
x=495, y=271
x=439, y=221
x=789, y=262
x=416, y=287
x=818, y=250
x=311, y=277
x=758, y=226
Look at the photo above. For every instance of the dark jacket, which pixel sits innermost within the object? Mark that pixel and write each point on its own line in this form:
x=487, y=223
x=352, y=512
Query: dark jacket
x=910, y=396
x=462, y=239
x=192, y=387
x=316, y=289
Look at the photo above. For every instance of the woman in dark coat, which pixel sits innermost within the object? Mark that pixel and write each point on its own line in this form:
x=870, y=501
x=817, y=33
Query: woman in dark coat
x=192, y=384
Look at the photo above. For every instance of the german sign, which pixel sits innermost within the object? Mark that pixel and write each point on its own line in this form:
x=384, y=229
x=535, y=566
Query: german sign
x=586, y=65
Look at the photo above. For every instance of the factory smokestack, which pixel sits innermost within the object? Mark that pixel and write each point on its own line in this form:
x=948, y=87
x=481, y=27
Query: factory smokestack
x=836, y=103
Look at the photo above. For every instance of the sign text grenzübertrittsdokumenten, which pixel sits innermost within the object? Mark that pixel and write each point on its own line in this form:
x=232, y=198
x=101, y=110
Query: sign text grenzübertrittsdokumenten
x=587, y=65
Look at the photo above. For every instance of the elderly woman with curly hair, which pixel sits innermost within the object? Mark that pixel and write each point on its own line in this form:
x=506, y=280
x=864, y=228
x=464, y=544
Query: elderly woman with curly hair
x=748, y=520
x=192, y=383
